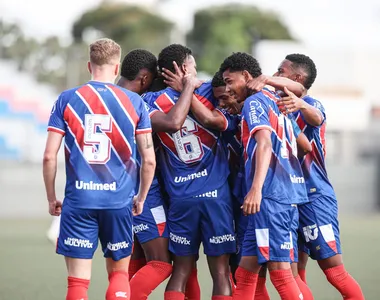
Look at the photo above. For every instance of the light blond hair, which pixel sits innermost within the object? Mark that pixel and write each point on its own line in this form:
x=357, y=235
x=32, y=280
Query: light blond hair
x=105, y=51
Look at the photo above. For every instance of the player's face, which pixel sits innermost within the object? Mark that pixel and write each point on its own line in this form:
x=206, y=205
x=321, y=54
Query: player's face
x=236, y=84
x=190, y=66
x=286, y=70
x=226, y=101
x=146, y=80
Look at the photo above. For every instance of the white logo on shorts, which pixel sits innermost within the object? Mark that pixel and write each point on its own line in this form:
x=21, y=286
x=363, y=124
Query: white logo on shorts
x=310, y=232
x=79, y=243
x=179, y=239
x=222, y=239
x=286, y=246
x=139, y=228
x=117, y=246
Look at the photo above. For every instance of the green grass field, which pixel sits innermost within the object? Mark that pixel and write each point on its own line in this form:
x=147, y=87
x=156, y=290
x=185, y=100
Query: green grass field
x=30, y=269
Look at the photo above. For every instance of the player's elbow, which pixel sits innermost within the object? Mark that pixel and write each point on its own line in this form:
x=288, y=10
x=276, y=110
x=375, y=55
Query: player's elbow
x=175, y=125
x=149, y=162
x=49, y=157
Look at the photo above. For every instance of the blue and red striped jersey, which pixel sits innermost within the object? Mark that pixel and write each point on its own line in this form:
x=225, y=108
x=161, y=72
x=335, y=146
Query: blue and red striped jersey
x=192, y=160
x=232, y=140
x=284, y=182
x=313, y=163
x=100, y=122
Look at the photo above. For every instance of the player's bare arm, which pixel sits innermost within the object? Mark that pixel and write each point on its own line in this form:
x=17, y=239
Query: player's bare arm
x=148, y=165
x=53, y=144
x=174, y=119
x=252, y=200
x=279, y=83
x=213, y=119
x=291, y=103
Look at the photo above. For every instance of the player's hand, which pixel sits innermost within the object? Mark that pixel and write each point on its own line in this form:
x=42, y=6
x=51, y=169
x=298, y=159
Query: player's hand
x=290, y=103
x=138, y=205
x=55, y=208
x=252, y=202
x=174, y=80
x=257, y=84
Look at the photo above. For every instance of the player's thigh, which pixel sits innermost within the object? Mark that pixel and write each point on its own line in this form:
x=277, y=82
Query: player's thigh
x=217, y=225
x=78, y=237
x=115, y=232
x=157, y=250
x=184, y=227
x=137, y=250
x=320, y=228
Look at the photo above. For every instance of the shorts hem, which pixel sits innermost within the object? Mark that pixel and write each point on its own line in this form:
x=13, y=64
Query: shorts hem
x=143, y=241
x=73, y=255
x=219, y=253
x=119, y=257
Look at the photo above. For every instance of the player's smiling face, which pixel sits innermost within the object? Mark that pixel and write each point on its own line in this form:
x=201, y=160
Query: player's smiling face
x=236, y=84
x=226, y=100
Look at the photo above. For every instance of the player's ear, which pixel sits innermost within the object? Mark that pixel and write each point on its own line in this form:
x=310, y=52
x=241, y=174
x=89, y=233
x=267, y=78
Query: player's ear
x=246, y=75
x=89, y=67
x=144, y=80
x=117, y=68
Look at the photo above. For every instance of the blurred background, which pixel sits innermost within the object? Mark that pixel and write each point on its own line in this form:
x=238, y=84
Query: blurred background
x=43, y=50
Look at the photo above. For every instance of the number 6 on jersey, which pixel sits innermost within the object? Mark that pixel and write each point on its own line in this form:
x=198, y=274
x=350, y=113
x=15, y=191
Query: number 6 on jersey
x=97, y=148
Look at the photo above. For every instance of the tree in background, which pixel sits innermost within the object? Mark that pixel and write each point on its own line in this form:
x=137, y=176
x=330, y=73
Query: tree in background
x=131, y=26
x=219, y=31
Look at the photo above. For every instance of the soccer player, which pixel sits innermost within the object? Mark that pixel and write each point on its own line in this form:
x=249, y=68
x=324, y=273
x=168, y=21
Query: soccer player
x=195, y=171
x=319, y=229
x=138, y=70
x=150, y=226
x=274, y=178
x=102, y=124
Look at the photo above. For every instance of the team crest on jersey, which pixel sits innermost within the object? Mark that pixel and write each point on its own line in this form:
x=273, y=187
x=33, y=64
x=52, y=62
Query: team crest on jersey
x=255, y=111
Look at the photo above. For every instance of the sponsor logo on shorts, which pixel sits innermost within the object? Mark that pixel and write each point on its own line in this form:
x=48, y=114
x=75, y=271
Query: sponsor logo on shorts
x=92, y=186
x=79, y=243
x=286, y=246
x=179, y=239
x=140, y=228
x=121, y=295
x=310, y=232
x=295, y=179
x=117, y=246
x=212, y=194
x=222, y=239
x=193, y=176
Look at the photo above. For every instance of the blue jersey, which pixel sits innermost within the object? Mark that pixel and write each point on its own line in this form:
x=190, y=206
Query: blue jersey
x=232, y=139
x=193, y=160
x=284, y=182
x=313, y=163
x=100, y=122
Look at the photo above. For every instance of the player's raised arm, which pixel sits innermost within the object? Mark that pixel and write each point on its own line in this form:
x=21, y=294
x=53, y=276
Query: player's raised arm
x=213, y=119
x=291, y=103
x=174, y=119
x=53, y=144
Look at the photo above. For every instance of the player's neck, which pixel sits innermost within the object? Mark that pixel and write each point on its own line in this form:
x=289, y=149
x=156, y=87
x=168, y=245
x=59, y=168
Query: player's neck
x=127, y=84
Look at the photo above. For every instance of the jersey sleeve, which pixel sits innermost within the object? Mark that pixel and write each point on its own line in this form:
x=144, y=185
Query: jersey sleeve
x=256, y=114
x=150, y=109
x=143, y=125
x=231, y=122
x=318, y=105
x=57, y=121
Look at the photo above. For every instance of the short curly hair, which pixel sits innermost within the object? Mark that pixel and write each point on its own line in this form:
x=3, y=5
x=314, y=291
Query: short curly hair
x=135, y=61
x=305, y=63
x=241, y=61
x=174, y=52
x=217, y=80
